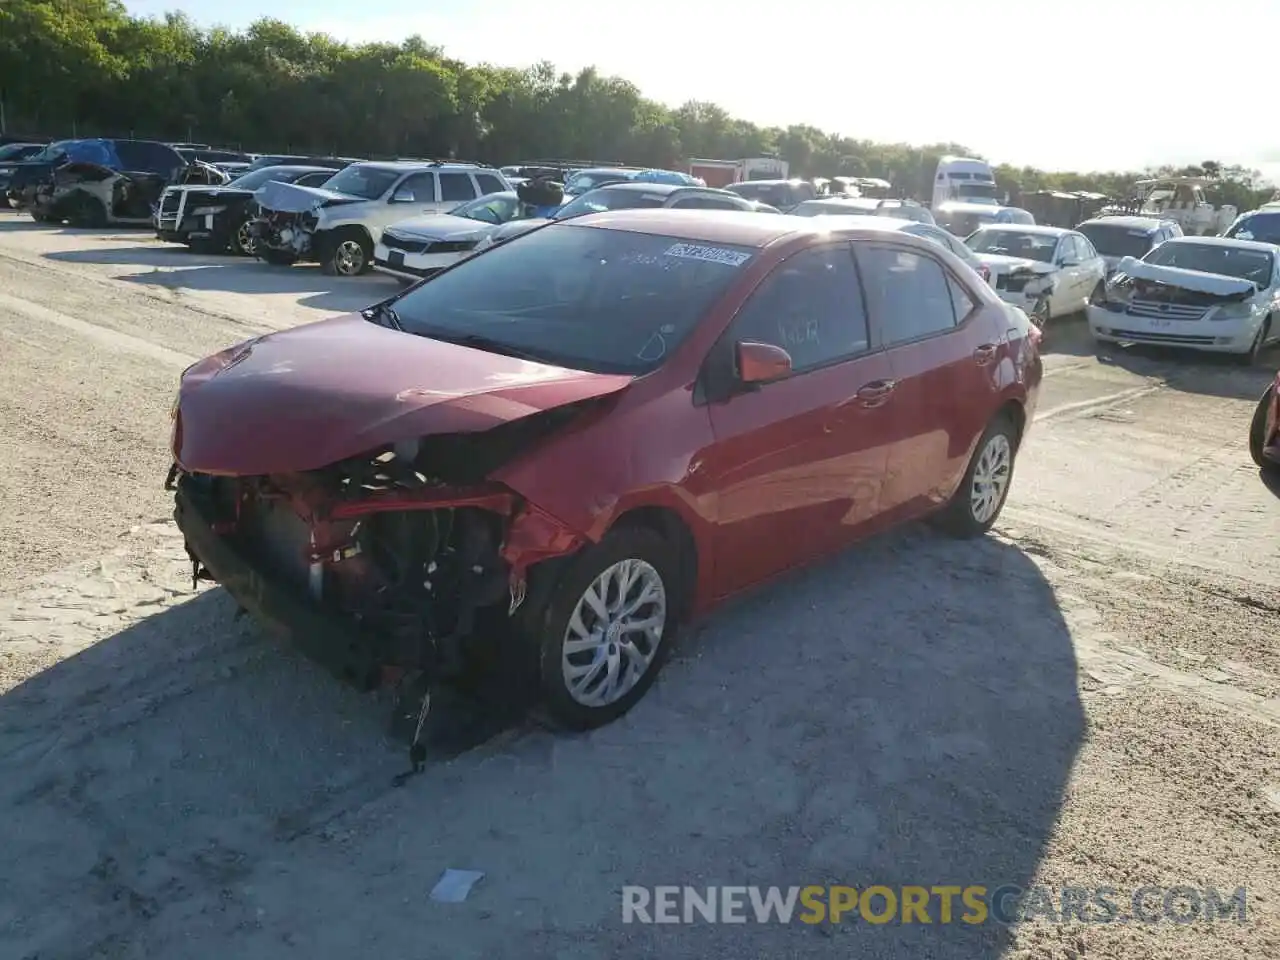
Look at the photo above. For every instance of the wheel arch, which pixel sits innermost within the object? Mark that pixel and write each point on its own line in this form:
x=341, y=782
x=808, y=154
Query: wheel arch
x=669, y=525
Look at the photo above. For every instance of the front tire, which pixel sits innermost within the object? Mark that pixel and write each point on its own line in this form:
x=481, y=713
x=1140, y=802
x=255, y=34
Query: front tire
x=1250, y=357
x=606, y=628
x=977, y=502
x=1257, y=429
x=350, y=255
x=242, y=241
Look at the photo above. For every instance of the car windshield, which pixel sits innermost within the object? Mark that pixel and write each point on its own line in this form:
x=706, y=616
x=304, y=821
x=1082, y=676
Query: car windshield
x=492, y=208
x=580, y=183
x=963, y=224
x=367, y=183
x=587, y=298
x=1113, y=240
x=1263, y=227
x=820, y=208
x=1223, y=260
x=253, y=179
x=52, y=152
x=607, y=198
x=1014, y=243
x=11, y=151
x=976, y=192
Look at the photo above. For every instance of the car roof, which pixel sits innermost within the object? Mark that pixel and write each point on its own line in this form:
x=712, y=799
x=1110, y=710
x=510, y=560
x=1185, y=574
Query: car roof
x=668, y=188
x=1032, y=228
x=868, y=222
x=402, y=166
x=296, y=168
x=1149, y=224
x=1257, y=245
x=743, y=228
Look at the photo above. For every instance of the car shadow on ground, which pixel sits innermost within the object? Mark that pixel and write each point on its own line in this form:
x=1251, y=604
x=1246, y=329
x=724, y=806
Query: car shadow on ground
x=1191, y=371
x=1271, y=480
x=1068, y=336
x=175, y=267
x=906, y=714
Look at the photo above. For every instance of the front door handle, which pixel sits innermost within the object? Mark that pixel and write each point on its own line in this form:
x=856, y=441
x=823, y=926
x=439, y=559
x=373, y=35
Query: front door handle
x=876, y=393
x=984, y=354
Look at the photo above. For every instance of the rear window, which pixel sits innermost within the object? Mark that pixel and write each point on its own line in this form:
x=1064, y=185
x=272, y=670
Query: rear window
x=1113, y=240
x=587, y=298
x=1263, y=227
x=598, y=201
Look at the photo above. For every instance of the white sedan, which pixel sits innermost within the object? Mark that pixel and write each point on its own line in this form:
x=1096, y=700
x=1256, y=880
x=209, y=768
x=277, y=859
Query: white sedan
x=1207, y=293
x=419, y=247
x=1047, y=271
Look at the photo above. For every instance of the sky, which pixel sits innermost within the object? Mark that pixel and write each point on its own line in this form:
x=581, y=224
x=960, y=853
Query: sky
x=1079, y=85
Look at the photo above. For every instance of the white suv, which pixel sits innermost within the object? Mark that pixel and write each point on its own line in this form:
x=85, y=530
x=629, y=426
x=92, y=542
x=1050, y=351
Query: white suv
x=340, y=224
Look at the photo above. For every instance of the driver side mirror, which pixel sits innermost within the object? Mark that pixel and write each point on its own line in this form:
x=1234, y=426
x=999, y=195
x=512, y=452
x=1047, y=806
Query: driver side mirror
x=760, y=363
x=403, y=196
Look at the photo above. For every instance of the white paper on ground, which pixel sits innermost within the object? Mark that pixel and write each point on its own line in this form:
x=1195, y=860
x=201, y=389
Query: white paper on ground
x=454, y=885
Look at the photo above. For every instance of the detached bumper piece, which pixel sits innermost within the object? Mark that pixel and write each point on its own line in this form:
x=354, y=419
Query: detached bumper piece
x=343, y=649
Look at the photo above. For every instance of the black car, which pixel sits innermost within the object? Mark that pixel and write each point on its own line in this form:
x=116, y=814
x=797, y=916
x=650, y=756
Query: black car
x=10, y=154
x=214, y=219
x=99, y=181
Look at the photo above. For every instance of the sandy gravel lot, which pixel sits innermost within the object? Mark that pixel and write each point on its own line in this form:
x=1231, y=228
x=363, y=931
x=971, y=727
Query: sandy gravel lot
x=1089, y=698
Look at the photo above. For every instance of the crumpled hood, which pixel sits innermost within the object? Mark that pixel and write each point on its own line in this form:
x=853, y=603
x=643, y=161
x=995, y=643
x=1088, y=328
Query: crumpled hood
x=1003, y=264
x=1211, y=283
x=291, y=198
x=307, y=397
x=441, y=227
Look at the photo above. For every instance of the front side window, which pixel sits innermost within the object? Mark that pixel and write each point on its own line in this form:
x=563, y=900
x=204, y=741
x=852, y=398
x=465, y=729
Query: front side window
x=605, y=301
x=420, y=186
x=909, y=293
x=810, y=306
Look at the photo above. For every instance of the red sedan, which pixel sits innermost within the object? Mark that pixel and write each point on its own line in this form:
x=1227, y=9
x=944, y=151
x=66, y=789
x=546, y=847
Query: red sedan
x=594, y=433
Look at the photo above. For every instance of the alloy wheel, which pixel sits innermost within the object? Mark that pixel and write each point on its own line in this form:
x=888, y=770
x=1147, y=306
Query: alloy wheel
x=348, y=258
x=244, y=238
x=991, y=478
x=614, y=633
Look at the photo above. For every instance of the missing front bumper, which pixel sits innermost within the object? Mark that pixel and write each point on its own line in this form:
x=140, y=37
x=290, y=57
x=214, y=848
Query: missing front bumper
x=341, y=647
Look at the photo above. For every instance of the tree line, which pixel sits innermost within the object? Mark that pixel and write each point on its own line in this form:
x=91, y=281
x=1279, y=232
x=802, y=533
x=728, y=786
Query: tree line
x=88, y=68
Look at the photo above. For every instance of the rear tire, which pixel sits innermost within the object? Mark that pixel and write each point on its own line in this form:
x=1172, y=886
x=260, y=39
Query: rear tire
x=88, y=213
x=632, y=569
x=277, y=258
x=978, y=500
x=1256, y=429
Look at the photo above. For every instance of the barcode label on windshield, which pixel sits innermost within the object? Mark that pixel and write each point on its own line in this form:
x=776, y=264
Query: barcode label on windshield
x=693, y=251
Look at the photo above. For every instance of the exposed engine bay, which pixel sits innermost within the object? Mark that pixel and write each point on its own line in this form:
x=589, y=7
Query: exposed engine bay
x=288, y=227
x=385, y=566
x=89, y=194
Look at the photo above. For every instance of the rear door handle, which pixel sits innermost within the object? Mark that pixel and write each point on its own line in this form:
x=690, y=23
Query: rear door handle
x=985, y=354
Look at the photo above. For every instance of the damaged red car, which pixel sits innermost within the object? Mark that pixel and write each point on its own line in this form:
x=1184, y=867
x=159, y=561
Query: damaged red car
x=593, y=434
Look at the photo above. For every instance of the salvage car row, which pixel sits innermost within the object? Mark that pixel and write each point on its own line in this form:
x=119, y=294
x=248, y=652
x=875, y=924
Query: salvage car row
x=753, y=390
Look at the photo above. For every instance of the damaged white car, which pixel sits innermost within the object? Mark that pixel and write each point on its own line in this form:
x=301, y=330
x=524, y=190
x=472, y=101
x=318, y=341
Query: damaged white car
x=340, y=224
x=1047, y=271
x=1207, y=293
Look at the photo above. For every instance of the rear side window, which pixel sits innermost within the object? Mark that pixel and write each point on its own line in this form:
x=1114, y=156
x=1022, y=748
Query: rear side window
x=488, y=183
x=455, y=187
x=909, y=294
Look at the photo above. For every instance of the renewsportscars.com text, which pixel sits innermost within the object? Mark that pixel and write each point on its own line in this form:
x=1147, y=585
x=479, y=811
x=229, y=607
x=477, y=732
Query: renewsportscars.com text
x=970, y=905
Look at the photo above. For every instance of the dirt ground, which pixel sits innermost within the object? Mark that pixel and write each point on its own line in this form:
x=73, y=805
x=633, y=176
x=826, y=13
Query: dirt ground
x=1089, y=698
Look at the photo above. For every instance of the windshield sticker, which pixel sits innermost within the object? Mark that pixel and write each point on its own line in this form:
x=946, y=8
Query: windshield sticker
x=693, y=251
